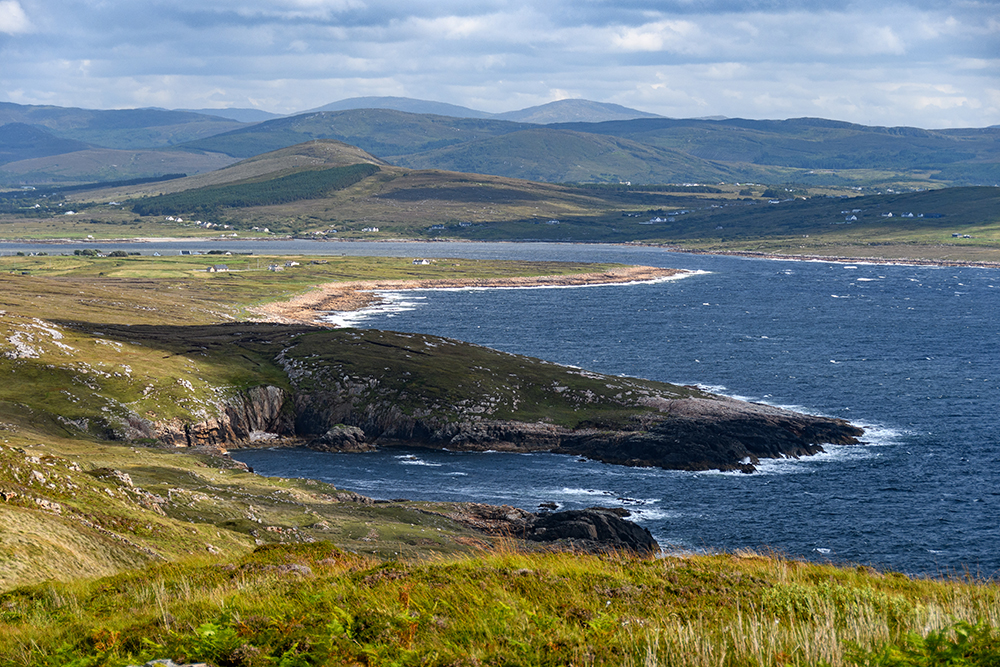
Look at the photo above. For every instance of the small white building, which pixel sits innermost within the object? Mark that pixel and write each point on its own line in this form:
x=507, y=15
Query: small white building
x=421, y=262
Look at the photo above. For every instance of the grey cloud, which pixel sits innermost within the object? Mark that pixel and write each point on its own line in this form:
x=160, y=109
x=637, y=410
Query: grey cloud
x=851, y=59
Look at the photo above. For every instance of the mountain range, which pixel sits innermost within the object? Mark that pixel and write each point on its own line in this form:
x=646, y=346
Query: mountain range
x=565, y=141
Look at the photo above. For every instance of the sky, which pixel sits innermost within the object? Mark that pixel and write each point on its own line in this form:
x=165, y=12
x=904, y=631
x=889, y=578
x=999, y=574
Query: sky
x=920, y=63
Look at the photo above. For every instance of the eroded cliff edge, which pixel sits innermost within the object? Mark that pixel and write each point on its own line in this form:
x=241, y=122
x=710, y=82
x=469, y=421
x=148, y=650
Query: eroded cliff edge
x=353, y=390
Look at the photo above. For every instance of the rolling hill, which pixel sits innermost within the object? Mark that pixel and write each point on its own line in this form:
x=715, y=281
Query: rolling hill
x=20, y=141
x=381, y=132
x=535, y=143
x=118, y=128
x=562, y=156
x=569, y=111
x=818, y=144
x=648, y=150
x=407, y=104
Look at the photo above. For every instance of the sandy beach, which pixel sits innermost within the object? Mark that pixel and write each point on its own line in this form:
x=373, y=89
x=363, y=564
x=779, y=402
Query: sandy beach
x=355, y=295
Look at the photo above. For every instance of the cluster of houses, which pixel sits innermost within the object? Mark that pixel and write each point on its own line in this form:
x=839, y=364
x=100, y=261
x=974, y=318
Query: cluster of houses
x=852, y=215
x=278, y=267
x=196, y=223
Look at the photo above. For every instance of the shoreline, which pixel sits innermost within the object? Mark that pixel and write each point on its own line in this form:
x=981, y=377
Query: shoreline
x=841, y=259
x=749, y=254
x=355, y=295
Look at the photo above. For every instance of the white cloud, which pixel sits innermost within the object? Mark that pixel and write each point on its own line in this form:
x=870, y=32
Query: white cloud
x=845, y=59
x=13, y=20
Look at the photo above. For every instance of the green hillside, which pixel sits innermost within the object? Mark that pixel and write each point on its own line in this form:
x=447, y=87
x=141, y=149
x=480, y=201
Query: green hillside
x=808, y=151
x=119, y=128
x=19, y=141
x=967, y=156
x=305, y=184
x=380, y=132
x=555, y=156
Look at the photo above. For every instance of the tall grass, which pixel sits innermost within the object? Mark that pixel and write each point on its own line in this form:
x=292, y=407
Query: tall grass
x=316, y=605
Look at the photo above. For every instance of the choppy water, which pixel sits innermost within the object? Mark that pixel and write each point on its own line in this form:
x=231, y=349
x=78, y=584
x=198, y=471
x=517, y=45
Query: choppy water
x=911, y=353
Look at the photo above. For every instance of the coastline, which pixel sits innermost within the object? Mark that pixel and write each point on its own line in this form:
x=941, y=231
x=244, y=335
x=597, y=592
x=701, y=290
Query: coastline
x=842, y=259
x=750, y=254
x=355, y=295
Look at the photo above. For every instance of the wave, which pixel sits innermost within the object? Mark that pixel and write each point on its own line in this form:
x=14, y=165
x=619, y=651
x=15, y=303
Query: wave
x=644, y=515
x=411, y=460
x=392, y=303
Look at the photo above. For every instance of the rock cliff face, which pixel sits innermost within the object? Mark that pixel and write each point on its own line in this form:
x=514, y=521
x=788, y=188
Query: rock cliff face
x=257, y=413
x=354, y=391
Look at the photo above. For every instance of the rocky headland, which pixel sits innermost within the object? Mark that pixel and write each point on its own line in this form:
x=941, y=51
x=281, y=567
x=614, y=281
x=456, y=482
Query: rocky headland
x=353, y=391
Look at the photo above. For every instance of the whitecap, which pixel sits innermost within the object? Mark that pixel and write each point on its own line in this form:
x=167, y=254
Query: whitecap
x=585, y=492
x=411, y=460
x=392, y=304
x=644, y=515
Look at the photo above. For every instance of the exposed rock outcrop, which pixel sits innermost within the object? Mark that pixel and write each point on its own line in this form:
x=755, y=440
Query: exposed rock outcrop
x=355, y=390
x=596, y=529
x=243, y=418
x=342, y=438
x=685, y=434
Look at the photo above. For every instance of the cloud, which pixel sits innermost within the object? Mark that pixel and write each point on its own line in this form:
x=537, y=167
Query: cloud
x=846, y=59
x=13, y=20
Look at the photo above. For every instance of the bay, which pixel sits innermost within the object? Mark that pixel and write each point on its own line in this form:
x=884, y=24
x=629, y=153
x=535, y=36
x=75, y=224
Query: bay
x=909, y=352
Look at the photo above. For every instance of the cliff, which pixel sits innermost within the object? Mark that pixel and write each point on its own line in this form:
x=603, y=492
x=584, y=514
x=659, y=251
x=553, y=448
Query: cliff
x=357, y=390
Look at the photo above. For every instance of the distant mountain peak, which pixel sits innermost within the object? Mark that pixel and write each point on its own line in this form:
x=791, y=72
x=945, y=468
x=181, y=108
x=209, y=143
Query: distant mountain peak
x=574, y=111
x=405, y=104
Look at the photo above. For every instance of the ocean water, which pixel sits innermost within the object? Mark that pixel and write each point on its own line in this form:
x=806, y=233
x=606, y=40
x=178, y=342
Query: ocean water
x=911, y=353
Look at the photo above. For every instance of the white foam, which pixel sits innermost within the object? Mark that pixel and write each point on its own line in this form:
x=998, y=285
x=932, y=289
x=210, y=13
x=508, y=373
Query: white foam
x=585, y=492
x=643, y=515
x=653, y=281
x=410, y=460
x=391, y=304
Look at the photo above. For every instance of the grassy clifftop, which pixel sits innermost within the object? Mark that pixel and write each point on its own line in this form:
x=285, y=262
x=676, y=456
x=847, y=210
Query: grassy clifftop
x=94, y=350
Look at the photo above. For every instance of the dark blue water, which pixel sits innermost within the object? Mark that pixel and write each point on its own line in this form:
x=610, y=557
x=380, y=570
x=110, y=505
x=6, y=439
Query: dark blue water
x=911, y=353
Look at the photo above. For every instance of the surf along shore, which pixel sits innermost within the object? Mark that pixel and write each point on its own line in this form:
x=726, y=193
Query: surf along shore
x=355, y=295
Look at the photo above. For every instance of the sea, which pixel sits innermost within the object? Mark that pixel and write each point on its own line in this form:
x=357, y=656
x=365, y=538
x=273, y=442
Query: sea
x=910, y=353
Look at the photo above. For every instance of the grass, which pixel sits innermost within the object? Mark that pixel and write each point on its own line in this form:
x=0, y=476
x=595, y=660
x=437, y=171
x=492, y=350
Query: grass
x=96, y=351
x=315, y=604
x=113, y=553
